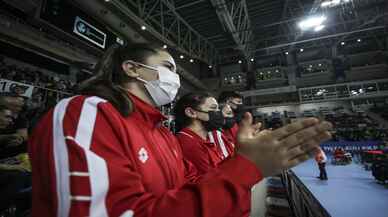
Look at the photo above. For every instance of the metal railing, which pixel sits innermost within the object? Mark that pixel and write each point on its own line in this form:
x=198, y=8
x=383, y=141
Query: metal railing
x=302, y=201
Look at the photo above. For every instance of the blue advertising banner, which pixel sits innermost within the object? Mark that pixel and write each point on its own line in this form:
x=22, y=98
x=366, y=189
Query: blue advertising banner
x=351, y=146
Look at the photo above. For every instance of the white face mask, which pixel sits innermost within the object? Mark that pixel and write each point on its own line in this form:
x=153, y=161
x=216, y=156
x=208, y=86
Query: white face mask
x=164, y=90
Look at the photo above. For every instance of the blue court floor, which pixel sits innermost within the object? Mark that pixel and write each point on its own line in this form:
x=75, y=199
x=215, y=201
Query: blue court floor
x=350, y=191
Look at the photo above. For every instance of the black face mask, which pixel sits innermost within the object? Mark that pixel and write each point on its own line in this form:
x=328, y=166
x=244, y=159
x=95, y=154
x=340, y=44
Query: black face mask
x=239, y=112
x=216, y=120
x=240, y=108
x=229, y=123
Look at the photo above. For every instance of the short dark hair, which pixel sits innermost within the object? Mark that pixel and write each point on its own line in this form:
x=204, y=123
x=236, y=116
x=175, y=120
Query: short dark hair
x=226, y=95
x=3, y=107
x=110, y=75
x=192, y=100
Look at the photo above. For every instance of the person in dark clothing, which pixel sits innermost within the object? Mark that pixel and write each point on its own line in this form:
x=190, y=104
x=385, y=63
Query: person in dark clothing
x=13, y=137
x=14, y=170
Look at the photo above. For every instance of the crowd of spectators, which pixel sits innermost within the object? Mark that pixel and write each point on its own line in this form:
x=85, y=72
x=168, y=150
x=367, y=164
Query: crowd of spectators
x=355, y=127
x=15, y=169
x=18, y=115
x=48, y=89
x=382, y=111
x=33, y=77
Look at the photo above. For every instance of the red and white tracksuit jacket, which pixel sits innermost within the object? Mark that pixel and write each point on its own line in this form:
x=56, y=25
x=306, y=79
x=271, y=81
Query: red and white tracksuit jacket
x=204, y=154
x=231, y=134
x=88, y=160
x=225, y=145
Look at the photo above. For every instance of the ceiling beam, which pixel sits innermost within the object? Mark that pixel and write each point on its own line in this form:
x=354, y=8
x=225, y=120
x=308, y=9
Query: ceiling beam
x=234, y=17
x=165, y=23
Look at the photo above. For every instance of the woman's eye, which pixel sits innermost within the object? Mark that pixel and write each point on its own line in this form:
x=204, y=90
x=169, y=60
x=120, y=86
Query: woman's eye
x=168, y=67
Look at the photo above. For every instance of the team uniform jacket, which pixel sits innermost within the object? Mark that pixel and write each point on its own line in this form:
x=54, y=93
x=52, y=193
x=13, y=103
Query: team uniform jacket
x=88, y=160
x=204, y=154
x=231, y=134
x=224, y=145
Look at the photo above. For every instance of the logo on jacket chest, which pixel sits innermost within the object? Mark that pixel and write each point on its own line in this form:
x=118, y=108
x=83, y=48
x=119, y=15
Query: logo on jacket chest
x=143, y=155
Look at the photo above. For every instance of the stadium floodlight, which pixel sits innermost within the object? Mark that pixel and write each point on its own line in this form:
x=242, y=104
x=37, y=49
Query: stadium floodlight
x=336, y=2
x=333, y=3
x=312, y=22
x=326, y=4
x=319, y=28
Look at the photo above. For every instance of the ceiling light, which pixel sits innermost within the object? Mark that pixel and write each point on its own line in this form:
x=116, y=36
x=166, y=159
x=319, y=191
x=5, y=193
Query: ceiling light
x=164, y=46
x=319, y=28
x=333, y=3
x=312, y=22
x=143, y=28
x=191, y=60
x=181, y=56
x=325, y=4
x=107, y=0
x=239, y=62
x=252, y=59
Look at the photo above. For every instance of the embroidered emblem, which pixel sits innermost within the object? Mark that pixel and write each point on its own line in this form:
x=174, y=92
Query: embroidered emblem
x=143, y=155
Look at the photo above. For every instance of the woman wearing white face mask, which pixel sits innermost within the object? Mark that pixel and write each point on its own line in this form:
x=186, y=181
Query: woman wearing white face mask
x=105, y=153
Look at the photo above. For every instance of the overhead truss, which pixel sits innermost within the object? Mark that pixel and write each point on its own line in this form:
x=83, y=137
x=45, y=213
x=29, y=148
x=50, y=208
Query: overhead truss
x=349, y=21
x=233, y=15
x=161, y=19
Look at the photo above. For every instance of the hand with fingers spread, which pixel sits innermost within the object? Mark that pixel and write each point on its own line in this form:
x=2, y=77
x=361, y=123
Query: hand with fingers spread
x=283, y=148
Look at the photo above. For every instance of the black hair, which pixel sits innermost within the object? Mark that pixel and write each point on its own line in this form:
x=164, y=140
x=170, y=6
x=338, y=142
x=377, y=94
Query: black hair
x=110, y=75
x=192, y=100
x=226, y=95
x=3, y=107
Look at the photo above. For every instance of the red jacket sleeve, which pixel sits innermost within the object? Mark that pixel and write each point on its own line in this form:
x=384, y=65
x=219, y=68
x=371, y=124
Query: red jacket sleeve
x=195, y=153
x=104, y=181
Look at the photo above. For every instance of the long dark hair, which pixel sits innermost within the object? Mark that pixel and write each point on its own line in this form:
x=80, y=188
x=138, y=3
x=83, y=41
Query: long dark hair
x=192, y=100
x=109, y=74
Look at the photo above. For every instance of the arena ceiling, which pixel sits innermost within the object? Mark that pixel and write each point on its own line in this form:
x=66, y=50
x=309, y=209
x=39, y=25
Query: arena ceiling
x=217, y=31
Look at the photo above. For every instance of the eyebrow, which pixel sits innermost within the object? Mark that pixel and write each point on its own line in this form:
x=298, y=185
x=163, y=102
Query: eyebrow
x=169, y=63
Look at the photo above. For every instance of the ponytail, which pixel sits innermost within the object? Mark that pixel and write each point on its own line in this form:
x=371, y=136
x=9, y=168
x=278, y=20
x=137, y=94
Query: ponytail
x=109, y=75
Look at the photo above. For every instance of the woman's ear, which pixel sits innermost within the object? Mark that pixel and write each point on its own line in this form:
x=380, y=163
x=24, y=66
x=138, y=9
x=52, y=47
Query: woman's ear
x=189, y=112
x=130, y=69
